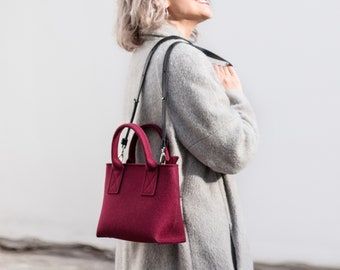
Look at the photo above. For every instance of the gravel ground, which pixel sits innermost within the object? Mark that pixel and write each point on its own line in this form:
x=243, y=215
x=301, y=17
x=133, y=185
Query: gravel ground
x=33, y=254
x=17, y=261
x=290, y=266
x=11, y=261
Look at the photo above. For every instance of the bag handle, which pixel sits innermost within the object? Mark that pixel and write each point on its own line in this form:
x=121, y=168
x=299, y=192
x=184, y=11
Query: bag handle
x=132, y=146
x=150, y=162
x=117, y=170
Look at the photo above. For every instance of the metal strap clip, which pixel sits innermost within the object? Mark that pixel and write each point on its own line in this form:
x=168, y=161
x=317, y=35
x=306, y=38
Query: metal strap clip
x=162, y=159
x=121, y=156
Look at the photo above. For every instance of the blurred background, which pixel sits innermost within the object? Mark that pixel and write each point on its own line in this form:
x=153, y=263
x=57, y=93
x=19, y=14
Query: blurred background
x=62, y=82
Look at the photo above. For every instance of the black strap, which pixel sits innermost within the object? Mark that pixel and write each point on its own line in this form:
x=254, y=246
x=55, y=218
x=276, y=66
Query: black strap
x=205, y=51
x=142, y=82
x=212, y=55
x=164, y=80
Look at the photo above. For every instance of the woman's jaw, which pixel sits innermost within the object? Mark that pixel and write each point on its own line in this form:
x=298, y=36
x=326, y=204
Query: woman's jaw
x=187, y=14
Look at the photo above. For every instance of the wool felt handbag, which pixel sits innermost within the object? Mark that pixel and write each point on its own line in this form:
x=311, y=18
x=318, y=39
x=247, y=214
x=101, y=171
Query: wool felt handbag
x=142, y=201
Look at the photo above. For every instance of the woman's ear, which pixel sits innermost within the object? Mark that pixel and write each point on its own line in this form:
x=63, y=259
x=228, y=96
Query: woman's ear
x=167, y=4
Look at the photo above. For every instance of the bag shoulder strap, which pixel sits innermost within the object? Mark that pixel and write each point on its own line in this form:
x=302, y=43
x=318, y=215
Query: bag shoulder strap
x=141, y=85
x=205, y=51
x=164, y=79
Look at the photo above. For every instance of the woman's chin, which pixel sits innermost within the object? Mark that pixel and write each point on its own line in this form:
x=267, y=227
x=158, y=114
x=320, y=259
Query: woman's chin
x=206, y=16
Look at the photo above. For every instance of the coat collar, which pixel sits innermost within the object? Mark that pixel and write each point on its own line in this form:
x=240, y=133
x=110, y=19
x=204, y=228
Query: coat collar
x=165, y=30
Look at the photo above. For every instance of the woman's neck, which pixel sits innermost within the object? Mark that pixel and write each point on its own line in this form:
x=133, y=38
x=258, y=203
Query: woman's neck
x=185, y=27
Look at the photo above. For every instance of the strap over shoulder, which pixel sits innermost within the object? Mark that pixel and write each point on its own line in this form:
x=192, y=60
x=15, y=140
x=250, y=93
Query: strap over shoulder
x=164, y=80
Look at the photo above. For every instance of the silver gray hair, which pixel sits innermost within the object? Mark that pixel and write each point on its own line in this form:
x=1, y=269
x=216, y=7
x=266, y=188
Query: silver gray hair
x=135, y=17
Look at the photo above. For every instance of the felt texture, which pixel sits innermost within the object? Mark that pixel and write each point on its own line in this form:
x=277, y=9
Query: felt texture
x=141, y=201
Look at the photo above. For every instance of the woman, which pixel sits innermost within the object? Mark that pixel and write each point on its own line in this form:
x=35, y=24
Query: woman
x=211, y=127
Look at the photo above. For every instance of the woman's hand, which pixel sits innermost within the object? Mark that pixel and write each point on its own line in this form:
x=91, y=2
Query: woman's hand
x=228, y=77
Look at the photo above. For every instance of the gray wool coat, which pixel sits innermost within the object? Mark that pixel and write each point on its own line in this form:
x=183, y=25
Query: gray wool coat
x=214, y=133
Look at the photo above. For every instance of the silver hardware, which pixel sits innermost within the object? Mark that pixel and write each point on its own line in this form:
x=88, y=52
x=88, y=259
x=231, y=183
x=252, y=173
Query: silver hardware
x=121, y=156
x=162, y=158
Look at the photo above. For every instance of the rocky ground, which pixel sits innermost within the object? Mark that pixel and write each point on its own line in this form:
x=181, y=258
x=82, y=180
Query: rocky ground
x=31, y=254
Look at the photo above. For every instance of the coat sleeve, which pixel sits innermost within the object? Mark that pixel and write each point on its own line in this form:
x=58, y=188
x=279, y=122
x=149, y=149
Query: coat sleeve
x=218, y=127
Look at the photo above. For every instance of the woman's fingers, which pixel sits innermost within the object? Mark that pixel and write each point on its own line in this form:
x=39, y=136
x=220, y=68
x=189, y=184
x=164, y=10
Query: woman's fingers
x=220, y=72
x=231, y=70
x=228, y=77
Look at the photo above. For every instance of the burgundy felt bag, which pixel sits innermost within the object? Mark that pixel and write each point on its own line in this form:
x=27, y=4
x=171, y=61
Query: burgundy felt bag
x=141, y=201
